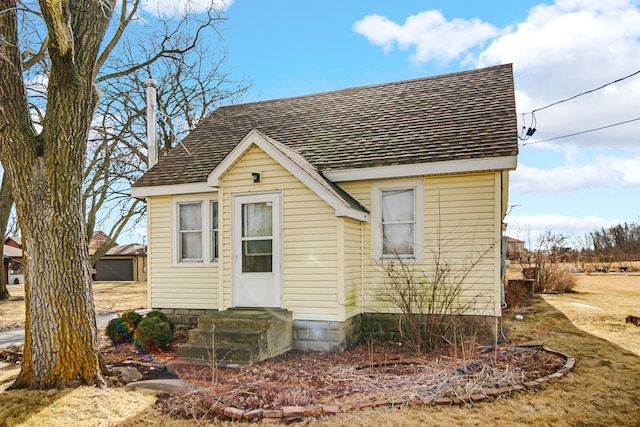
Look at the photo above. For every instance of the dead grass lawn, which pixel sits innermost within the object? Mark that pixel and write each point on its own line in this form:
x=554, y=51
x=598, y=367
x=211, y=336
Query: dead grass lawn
x=109, y=297
x=599, y=306
x=603, y=389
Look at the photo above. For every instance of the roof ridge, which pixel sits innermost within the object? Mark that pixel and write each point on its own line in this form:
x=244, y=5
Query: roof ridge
x=370, y=86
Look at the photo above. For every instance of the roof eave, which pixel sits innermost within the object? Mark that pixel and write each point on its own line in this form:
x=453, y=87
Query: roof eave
x=423, y=169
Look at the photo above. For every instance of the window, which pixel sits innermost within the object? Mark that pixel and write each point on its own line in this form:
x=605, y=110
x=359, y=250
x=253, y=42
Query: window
x=190, y=230
x=196, y=230
x=398, y=223
x=397, y=220
x=214, y=232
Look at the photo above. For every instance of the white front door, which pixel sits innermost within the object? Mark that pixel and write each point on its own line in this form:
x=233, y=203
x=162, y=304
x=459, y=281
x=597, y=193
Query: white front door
x=257, y=278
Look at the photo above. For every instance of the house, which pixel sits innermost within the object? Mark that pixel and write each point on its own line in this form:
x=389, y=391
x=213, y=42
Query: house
x=515, y=248
x=298, y=204
x=12, y=266
x=121, y=263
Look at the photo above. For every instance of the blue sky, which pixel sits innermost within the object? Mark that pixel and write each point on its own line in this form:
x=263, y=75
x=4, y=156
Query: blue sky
x=559, y=49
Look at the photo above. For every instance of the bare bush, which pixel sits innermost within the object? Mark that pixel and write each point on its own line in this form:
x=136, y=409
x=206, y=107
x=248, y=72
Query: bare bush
x=430, y=302
x=550, y=251
x=554, y=279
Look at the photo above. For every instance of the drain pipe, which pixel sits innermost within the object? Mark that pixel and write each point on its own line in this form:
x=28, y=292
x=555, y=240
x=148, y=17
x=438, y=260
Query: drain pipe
x=152, y=146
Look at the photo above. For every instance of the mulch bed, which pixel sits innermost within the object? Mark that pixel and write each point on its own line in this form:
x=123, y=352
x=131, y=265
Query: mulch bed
x=366, y=375
x=382, y=374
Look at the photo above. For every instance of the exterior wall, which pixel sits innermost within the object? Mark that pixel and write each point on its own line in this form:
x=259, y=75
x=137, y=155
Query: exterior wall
x=171, y=285
x=329, y=274
x=461, y=226
x=353, y=274
x=309, y=232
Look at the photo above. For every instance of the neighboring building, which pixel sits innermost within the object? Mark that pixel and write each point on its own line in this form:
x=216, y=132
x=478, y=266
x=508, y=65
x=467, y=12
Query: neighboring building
x=12, y=266
x=97, y=239
x=126, y=263
x=121, y=263
x=515, y=248
x=298, y=203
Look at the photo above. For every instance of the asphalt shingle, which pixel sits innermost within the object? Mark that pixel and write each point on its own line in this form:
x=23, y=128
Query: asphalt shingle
x=464, y=115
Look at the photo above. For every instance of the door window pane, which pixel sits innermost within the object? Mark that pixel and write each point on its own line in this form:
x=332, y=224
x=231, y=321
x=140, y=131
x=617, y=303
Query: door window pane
x=256, y=238
x=256, y=220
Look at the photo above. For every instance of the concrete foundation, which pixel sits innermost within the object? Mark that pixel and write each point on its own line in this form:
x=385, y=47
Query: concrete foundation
x=332, y=336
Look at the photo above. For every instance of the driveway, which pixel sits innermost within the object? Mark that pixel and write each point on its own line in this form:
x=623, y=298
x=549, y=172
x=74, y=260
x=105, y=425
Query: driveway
x=15, y=337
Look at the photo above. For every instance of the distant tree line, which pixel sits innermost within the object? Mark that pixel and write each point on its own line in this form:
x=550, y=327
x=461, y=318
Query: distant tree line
x=599, y=248
x=621, y=239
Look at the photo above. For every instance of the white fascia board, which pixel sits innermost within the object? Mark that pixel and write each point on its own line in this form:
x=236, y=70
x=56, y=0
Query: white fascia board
x=255, y=137
x=421, y=169
x=352, y=213
x=170, y=190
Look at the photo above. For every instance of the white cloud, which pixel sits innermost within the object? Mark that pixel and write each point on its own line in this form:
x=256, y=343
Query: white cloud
x=168, y=8
x=603, y=172
x=559, y=50
x=530, y=227
x=433, y=36
x=569, y=47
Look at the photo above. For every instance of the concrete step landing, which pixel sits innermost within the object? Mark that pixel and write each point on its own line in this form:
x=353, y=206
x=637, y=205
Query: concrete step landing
x=237, y=337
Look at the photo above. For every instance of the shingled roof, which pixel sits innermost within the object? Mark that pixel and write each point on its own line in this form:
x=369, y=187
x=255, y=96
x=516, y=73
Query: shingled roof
x=458, y=116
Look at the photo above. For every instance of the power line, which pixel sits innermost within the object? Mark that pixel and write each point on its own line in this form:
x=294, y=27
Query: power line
x=527, y=132
x=586, y=92
x=584, y=131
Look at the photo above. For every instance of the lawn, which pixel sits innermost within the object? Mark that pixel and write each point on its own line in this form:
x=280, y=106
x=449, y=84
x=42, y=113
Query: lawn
x=602, y=390
x=109, y=297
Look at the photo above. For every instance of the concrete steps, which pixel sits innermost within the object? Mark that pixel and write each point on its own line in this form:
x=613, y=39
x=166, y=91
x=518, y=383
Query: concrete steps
x=238, y=337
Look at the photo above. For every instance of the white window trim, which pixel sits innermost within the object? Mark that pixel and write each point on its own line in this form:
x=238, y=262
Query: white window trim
x=207, y=230
x=417, y=186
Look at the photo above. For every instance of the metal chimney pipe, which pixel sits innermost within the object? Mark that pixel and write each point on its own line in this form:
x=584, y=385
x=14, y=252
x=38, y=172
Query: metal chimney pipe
x=152, y=146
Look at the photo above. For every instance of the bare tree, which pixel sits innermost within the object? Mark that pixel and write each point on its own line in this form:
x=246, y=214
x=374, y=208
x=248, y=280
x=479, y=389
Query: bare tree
x=190, y=86
x=67, y=46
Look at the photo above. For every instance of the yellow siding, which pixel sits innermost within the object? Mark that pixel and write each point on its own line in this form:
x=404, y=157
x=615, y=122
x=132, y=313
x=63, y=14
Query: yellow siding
x=328, y=268
x=461, y=226
x=353, y=267
x=172, y=286
x=309, y=229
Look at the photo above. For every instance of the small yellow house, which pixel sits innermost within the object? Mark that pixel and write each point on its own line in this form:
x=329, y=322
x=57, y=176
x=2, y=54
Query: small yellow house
x=298, y=204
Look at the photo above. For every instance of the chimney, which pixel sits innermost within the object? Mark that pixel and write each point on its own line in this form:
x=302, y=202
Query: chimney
x=152, y=149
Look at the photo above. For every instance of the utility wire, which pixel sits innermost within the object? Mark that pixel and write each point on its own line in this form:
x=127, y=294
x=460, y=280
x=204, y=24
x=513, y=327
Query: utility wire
x=586, y=92
x=584, y=131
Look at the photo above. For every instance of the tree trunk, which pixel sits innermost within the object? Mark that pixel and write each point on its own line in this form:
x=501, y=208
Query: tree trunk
x=45, y=174
x=6, y=203
x=61, y=343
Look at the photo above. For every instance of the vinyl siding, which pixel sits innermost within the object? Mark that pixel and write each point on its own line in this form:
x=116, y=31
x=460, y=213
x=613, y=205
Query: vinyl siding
x=328, y=268
x=172, y=286
x=353, y=267
x=461, y=225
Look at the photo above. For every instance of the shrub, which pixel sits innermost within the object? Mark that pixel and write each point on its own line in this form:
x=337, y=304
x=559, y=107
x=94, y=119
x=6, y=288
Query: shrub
x=132, y=319
x=554, y=279
x=154, y=333
x=164, y=318
x=118, y=331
